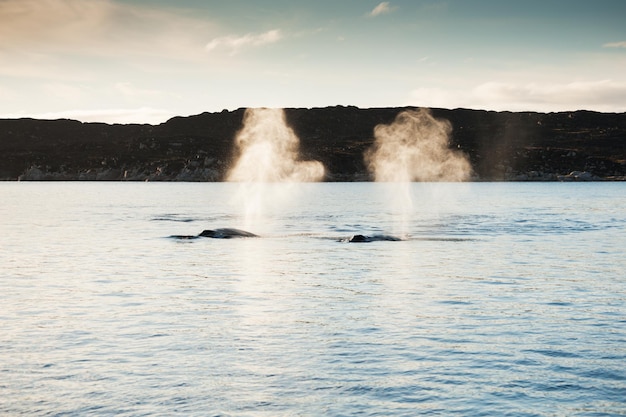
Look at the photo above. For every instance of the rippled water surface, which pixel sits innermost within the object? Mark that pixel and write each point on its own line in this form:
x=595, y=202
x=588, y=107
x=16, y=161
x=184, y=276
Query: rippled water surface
x=501, y=299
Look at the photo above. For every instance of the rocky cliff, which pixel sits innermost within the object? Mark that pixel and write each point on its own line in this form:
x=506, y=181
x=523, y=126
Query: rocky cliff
x=507, y=146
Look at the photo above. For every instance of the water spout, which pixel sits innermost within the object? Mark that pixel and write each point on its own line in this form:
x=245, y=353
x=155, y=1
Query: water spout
x=267, y=162
x=415, y=147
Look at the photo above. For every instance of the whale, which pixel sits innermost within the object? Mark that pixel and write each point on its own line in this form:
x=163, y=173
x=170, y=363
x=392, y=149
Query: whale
x=374, y=238
x=226, y=233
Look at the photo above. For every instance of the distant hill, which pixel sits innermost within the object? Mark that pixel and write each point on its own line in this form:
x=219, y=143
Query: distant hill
x=502, y=146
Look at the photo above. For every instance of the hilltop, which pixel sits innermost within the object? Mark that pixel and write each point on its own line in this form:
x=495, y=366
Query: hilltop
x=502, y=146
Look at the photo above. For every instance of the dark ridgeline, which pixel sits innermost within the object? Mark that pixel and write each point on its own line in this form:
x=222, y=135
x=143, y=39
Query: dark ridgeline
x=500, y=145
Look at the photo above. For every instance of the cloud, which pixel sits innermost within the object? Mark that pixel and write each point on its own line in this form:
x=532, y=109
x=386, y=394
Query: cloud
x=382, y=8
x=31, y=20
x=600, y=95
x=235, y=43
x=99, y=27
x=621, y=44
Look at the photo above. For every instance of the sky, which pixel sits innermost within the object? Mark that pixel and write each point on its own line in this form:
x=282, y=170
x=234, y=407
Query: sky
x=144, y=61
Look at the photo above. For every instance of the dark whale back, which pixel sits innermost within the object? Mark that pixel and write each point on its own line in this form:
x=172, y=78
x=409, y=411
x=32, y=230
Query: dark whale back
x=226, y=233
x=374, y=238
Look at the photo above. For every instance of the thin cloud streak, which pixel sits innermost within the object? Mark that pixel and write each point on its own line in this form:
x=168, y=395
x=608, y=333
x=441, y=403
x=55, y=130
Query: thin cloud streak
x=235, y=43
x=382, y=8
x=621, y=44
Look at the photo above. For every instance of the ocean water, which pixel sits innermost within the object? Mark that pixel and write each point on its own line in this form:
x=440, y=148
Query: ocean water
x=502, y=299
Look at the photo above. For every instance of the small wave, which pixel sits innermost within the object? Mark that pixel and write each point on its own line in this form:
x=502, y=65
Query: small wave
x=554, y=353
x=455, y=302
x=443, y=239
x=183, y=237
x=173, y=218
x=526, y=224
x=606, y=374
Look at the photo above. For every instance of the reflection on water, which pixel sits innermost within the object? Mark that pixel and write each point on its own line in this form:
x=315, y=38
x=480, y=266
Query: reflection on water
x=504, y=299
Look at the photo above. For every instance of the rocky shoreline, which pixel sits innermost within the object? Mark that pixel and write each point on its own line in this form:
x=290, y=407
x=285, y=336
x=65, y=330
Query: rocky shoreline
x=501, y=146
